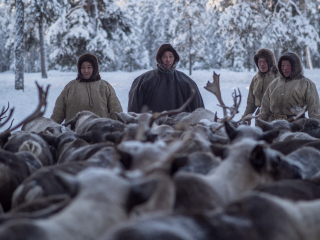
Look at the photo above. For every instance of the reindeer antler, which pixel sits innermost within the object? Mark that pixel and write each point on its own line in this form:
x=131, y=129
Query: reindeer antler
x=298, y=114
x=3, y=111
x=37, y=113
x=214, y=88
x=248, y=117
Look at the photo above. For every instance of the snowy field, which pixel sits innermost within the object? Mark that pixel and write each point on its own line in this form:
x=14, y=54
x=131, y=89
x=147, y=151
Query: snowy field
x=25, y=102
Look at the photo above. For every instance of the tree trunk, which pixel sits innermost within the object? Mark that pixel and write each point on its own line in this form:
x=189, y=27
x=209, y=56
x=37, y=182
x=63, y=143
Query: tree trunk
x=19, y=45
x=190, y=57
x=190, y=64
x=309, y=62
x=42, y=49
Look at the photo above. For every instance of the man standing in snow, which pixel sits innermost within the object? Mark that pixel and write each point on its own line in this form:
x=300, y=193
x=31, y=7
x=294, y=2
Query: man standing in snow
x=267, y=72
x=164, y=88
x=290, y=92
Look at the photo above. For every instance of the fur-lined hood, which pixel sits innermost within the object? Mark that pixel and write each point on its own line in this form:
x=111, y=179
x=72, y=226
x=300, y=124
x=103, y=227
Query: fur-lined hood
x=296, y=66
x=269, y=56
x=94, y=61
x=167, y=47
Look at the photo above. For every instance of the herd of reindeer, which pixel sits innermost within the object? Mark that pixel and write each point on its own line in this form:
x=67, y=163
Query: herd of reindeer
x=172, y=175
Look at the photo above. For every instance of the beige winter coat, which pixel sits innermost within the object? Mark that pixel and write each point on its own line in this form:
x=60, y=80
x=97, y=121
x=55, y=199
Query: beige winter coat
x=93, y=94
x=287, y=95
x=74, y=98
x=261, y=81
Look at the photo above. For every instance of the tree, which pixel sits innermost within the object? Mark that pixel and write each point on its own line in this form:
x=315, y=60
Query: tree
x=291, y=30
x=42, y=13
x=19, y=45
x=189, y=30
x=5, y=38
x=241, y=26
x=148, y=31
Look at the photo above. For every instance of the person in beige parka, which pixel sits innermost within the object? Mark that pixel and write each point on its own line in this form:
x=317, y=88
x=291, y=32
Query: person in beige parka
x=267, y=72
x=88, y=92
x=290, y=92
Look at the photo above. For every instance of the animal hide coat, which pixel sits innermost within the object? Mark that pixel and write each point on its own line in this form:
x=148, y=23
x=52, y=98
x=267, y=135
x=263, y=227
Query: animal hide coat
x=261, y=81
x=93, y=94
x=287, y=95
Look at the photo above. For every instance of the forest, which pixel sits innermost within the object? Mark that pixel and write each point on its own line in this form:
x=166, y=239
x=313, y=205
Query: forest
x=125, y=34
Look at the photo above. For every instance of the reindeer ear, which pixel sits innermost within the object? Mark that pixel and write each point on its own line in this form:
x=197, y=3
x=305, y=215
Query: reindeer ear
x=4, y=137
x=258, y=158
x=50, y=139
x=219, y=150
x=268, y=136
x=68, y=181
x=231, y=131
x=119, y=118
x=125, y=159
x=265, y=126
x=140, y=192
x=178, y=162
x=72, y=122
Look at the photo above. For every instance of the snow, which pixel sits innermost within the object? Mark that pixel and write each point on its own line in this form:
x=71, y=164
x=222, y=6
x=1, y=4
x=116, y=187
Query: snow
x=25, y=102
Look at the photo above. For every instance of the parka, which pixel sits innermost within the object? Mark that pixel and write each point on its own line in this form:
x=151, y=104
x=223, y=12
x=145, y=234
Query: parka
x=261, y=81
x=163, y=89
x=286, y=95
x=93, y=94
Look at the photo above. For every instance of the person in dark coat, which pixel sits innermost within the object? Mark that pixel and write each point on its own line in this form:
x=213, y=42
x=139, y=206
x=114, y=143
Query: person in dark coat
x=164, y=88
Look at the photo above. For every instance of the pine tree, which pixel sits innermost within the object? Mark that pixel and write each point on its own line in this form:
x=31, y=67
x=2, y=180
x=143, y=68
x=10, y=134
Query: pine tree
x=149, y=33
x=189, y=30
x=290, y=30
x=42, y=13
x=241, y=27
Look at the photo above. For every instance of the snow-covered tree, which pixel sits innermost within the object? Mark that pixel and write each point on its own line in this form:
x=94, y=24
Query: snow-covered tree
x=41, y=13
x=188, y=28
x=149, y=35
x=241, y=26
x=291, y=30
x=134, y=54
x=5, y=35
x=19, y=45
x=69, y=35
x=164, y=16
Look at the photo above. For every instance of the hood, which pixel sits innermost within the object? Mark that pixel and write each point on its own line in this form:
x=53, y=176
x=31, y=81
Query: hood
x=269, y=56
x=296, y=66
x=167, y=47
x=94, y=61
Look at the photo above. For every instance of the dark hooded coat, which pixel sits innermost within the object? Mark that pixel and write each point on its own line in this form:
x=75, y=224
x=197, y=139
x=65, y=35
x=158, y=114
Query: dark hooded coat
x=93, y=94
x=288, y=94
x=261, y=81
x=163, y=89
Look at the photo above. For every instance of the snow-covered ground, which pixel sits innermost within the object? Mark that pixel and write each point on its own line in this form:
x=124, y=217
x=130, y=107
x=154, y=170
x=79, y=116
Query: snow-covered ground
x=25, y=102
